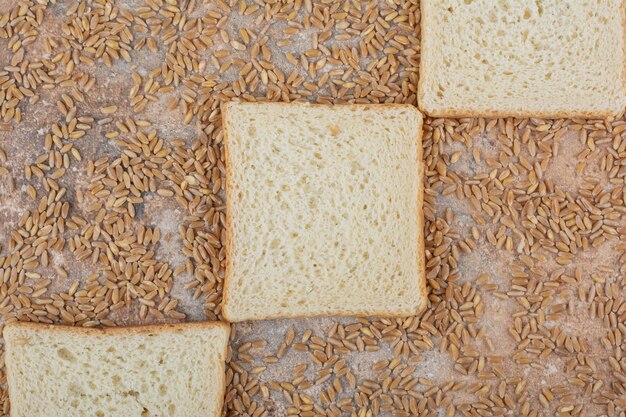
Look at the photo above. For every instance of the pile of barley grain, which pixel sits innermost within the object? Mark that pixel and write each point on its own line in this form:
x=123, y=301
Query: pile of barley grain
x=110, y=119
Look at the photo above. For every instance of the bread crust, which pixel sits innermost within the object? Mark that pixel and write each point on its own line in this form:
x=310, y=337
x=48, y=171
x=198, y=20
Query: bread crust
x=423, y=54
x=127, y=330
x=623, y=11
x=496, y=113
x=421, y=244
x=119, y=330
x=228, y=275
x=229, y=241
x=340, y=313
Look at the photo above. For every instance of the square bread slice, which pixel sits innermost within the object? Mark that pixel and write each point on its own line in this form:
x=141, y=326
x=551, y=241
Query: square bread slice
x=522, y=58
x=144, y=371
x=324, y=210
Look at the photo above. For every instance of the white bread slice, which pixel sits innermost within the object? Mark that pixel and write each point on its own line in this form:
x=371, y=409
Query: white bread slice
x=523, y=58
x=145, y=371
x=324, y=210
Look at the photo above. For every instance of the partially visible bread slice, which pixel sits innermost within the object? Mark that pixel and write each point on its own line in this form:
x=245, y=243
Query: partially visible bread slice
x=164, y=370
x=522, y=58
x=324, y=210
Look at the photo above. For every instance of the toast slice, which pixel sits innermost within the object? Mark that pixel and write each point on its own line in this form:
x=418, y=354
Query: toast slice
x=549, y=58
x=324, y=210
x=144, y=371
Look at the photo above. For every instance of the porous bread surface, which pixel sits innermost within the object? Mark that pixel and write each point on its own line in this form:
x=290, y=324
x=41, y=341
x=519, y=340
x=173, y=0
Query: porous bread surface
x=324, y=210
x=539, y=58
x=169, y=370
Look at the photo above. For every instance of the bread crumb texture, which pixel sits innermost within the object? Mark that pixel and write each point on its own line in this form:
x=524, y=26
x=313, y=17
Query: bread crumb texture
x=142, y=372
x=318, y=226
x=550, y=58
